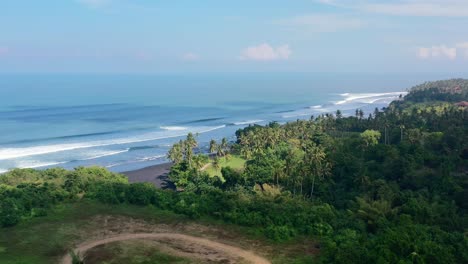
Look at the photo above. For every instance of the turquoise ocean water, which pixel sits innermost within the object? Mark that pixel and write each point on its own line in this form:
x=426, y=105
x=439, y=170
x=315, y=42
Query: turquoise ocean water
x=126, y=122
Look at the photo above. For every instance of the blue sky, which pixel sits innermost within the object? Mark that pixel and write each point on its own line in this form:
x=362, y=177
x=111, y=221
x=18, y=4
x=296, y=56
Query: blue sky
x=152, y=36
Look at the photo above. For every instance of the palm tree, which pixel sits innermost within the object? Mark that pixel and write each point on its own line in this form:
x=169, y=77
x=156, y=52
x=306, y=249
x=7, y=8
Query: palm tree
x=213, y=146
x=401, y=132
x=339, y=114
x=198, y=162
x=175, y=154
x=191, y=140
x=224, y=143
x=316, y=163
x=219, y=151
x=189, y=154
x=190, y=143
x=361, y=114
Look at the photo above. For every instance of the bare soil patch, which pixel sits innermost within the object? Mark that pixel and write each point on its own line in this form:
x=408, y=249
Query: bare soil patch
x=165, y=238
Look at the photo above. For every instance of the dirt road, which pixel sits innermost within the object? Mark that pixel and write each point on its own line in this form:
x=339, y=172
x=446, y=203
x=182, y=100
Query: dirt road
x=229, y=250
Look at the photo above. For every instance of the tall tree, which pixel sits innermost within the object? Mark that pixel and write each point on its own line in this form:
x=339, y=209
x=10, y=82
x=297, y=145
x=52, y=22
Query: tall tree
x=175, y=154
x=213, y=146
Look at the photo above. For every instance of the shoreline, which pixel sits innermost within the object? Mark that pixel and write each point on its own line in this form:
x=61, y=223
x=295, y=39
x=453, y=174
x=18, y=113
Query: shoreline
x=155, y=174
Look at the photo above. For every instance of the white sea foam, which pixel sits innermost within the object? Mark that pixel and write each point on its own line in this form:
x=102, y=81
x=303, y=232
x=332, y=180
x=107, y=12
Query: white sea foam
x=248, y=122
x=174, y=128
x=116, y=164
x=350, y=101
x=32, y=164
x=13, y=153
x=150, y=158
x=105, y=154
x=367, y=98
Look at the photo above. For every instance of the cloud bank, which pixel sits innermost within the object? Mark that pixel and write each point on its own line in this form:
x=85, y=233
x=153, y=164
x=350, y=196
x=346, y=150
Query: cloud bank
x=265, y=52
x=443, y=51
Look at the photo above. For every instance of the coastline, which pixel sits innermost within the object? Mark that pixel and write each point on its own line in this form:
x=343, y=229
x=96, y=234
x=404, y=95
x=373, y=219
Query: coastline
x=156, y=174
x=118, y=148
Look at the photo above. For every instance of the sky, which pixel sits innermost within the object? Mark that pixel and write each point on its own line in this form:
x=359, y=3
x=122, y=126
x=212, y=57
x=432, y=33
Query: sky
x=173, y=36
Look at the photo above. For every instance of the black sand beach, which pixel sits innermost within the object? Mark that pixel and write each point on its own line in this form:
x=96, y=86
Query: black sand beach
x=157, y=174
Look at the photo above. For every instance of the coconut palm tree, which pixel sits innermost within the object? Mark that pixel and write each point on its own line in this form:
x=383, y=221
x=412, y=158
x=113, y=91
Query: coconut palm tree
x=213, y=146
x=198, y=162
x=317, y=165
x=190, y=143
x=224, y=143
x=339, y=114
x=176, y=154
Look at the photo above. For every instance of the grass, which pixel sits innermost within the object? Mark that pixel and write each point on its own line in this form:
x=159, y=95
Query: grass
x=234, y=162
x=46, y=239
x=136, y=252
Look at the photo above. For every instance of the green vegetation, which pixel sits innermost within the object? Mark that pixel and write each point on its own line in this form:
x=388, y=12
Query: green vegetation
x=44, y=239
x=234, y=162
x=388, y=188
x=136, y=252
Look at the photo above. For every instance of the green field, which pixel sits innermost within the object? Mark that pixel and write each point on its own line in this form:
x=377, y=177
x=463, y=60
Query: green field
x=234, y=162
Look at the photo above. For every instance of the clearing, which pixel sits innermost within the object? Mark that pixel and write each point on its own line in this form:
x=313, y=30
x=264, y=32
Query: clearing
x=235, y=162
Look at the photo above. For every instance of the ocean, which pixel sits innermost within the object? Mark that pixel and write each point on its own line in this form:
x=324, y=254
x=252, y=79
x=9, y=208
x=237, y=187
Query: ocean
x=127, y=122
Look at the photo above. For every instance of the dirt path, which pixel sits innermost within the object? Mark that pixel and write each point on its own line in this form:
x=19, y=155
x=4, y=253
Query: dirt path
x=205, y=166
x=230, y=250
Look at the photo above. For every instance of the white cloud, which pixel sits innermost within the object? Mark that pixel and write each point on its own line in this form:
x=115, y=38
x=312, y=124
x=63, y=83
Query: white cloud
x=424, y=53
x=94, y=3
x=431, y=8
x=190, y=56
x=323, y=22
x=265, y=52
x=441, y=51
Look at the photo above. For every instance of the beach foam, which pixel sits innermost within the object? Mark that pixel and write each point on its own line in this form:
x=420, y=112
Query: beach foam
x=105, y=154
x=351, y=101
x=32, y=164
x=367, y=98
x=13, y=153
x=173, y=128
x=150, y=158
x=248, y=122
